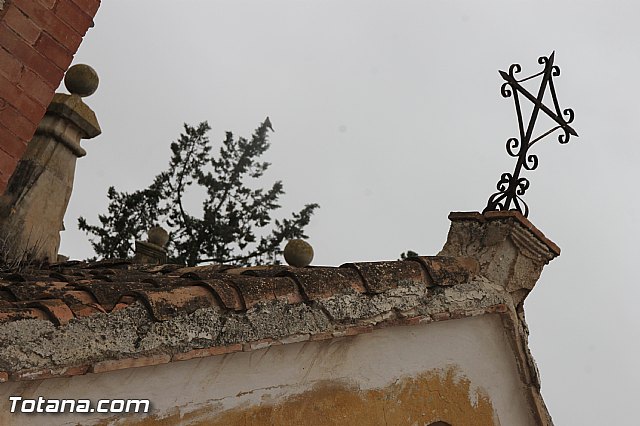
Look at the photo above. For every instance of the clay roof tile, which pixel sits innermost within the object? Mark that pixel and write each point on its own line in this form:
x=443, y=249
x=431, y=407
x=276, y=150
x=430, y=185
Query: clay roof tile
x=81, y=289
x=36, y=290
x=16, y=314
x=81, y=310
x=108, y=294
x=257, y=289
x=168, y=303
x=446, y=271
x=57, y=310
x=379, y=277
x=323, y=282
x=226, y=292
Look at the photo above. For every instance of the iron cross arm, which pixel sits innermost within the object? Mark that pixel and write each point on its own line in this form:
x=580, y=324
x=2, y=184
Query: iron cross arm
x=512, y=186
x=514, y=83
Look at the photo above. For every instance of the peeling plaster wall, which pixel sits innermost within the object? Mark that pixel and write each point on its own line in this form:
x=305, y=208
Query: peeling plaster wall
x=460, y=371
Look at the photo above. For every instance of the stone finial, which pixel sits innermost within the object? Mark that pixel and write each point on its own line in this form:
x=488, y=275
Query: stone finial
x=298, y=253
x=511, y=251
x=158, y=236
x=37, y=194
x=152, y=251
x=81, y=80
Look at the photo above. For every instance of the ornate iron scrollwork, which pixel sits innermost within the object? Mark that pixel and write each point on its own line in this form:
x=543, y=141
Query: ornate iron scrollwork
x=511, y=187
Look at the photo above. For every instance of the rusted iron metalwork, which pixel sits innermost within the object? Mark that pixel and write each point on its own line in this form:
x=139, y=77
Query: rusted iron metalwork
x=511, y=187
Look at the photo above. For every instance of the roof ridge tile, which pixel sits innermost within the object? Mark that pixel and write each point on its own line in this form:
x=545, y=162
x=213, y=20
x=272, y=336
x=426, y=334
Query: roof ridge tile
x=57, y=309
x=448, y=270
x=226, y=291
x=105, y=287
x=381, y=276
x=255, y=290
x=314, y=282
x=20, y=313
x=167, y=303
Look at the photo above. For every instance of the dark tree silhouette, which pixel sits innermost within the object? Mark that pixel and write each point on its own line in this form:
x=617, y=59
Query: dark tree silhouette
x=235, y=224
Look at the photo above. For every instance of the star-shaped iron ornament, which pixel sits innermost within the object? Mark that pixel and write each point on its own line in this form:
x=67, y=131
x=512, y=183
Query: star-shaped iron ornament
x=511, y=187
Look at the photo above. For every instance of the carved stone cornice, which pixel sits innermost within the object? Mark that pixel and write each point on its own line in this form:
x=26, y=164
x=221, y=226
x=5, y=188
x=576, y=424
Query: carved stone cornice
x=511, y=251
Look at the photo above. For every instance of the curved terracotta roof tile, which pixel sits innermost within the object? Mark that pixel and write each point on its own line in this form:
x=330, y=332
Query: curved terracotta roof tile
x=74, y=296
x=262, y=271
x=77, y=289
x=226, y=292
x=81, y=310
x=108, y=294
x=58, y=311
x=323, y=282
x=379, y=277
x=447, y=271
x=257, y=289
x=16, y=314
x=36, y=290
x=202, y=272
x=168, y=303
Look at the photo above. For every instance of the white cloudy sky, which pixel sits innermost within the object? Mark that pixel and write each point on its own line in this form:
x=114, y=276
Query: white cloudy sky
x=389, y=115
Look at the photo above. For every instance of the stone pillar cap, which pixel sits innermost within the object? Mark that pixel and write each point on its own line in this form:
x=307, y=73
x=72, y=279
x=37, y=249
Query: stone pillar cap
x=75, y=110
x=511, y=251
x=506, y=215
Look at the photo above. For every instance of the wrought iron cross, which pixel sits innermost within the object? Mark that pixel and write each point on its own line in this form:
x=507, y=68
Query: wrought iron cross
x=511, y=187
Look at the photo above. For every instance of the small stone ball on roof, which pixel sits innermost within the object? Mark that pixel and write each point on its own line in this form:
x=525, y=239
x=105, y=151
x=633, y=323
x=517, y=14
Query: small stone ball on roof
x=298, y=253
x=158, y=236
x=81, y=80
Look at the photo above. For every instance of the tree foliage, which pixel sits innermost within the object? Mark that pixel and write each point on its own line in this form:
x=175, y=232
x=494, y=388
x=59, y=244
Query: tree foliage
x=235, y=224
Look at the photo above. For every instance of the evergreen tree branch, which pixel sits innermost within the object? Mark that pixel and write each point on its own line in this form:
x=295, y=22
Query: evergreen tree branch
x=232, y=214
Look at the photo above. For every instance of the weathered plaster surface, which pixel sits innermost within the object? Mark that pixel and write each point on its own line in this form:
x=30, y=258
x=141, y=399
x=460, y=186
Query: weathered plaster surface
x=421, y=400
x=36, y=344
x=460, y=371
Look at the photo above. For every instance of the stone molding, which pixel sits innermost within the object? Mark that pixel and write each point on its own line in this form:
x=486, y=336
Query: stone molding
x=149, y=253
x=510, y=250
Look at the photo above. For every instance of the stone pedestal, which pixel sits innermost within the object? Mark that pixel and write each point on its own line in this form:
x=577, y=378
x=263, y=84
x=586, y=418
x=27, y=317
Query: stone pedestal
x=149, y=254
x=511, y=251
x=35, y=201
x=152, y=251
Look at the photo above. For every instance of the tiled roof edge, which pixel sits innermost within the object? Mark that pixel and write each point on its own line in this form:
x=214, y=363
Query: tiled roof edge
x=145, y=341
x=84, y=292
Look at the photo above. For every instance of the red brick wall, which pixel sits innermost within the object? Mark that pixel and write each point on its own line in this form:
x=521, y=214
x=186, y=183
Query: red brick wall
x=38, y=39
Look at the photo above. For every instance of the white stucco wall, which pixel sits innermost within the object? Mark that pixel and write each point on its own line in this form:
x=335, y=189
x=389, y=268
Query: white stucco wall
x=476, y=347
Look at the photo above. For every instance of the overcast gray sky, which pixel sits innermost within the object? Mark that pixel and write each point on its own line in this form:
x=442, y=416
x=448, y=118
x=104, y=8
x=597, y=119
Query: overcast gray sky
x=389, y=115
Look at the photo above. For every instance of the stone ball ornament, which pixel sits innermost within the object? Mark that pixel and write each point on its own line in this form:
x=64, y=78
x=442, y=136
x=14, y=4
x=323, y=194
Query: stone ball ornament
x=298, y=253
x=158, y=236
x=81, y=80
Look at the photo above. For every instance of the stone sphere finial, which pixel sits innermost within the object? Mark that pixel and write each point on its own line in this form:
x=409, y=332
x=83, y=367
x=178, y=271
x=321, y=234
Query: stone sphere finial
x=158, y=236
x=81, y=80
x=298, y=253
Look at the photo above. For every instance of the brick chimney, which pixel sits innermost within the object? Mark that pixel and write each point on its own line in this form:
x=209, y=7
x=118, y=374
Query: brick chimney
x=37, y=42
x=35, y=201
